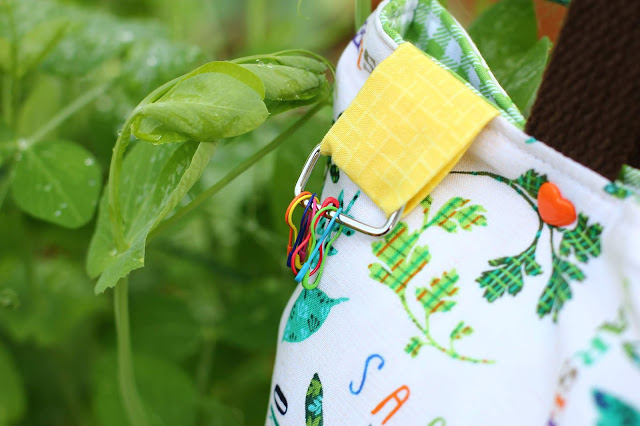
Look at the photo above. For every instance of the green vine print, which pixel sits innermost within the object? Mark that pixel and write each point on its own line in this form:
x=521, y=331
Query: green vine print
x=313, y=403
x=577, y=245
x=404, y=258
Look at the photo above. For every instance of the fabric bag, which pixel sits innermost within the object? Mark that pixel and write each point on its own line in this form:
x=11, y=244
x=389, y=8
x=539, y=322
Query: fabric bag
x=509, y=292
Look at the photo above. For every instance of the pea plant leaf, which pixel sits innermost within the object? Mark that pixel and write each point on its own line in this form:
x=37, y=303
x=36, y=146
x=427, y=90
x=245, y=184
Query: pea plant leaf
x=434, y=297
x=153, y=181
x=508, y=274
x=12, y=394
x=287, y=87
x=531, y=181
x=507, y=36
x=206, y=106
x=57, y=181
x=38, y=43
x=583, y=241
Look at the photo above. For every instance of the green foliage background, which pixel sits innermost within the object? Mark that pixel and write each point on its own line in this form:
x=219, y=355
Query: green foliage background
x=205, y=309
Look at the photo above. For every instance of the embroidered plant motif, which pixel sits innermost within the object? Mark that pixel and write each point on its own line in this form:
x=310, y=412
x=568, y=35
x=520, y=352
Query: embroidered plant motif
x=614, y=411
x=403, y=259
x=308, y=313
x=313, y=403
x=578, y=245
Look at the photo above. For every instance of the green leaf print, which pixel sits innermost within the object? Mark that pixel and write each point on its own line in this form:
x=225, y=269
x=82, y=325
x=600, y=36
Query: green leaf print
x=433, y=297
x=454, y=213
x=313, y=403
x=557, y=290
x=308, y=313
x=508, y=277
x=403, y=259
x=582, y=243
x=632, y=350
x=583, y=240
x=531, y=181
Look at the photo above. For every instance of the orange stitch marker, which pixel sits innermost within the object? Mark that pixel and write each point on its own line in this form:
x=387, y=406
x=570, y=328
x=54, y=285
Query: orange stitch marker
x=394, y=395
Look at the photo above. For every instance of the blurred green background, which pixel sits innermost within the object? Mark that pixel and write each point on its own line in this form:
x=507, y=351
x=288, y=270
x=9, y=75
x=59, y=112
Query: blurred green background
x=206, y=307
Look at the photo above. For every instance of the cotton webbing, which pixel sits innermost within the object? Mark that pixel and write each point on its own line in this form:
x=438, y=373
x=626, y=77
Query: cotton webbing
x=407, y=127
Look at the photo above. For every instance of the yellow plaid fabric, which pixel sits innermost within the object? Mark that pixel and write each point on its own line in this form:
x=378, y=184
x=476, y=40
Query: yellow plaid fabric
x=406, y=129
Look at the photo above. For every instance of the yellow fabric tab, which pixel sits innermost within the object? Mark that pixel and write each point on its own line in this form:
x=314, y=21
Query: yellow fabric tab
x=406, y=129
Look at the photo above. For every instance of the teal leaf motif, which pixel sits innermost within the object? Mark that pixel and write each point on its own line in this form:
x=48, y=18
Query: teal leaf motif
x=613, y=411
x=313, y=403
x=632, y=350
x=308, y=313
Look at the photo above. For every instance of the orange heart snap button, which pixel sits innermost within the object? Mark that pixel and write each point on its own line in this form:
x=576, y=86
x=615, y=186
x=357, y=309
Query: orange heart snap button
x=554, y=209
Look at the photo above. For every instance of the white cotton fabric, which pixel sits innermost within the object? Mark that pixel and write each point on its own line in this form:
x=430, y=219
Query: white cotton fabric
x=532, y=356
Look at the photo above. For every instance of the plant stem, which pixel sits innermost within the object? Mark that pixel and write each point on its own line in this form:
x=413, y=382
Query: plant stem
x=237, y=171
x=504, y=180
x=67, y=112
x=126, y=378
x=363, y=10
x=115, y=167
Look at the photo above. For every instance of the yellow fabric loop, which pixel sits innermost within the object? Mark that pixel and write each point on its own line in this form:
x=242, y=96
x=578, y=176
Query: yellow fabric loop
x=406, y=129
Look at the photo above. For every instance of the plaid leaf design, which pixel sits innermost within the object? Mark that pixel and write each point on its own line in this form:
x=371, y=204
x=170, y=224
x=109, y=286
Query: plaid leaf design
x=461, y=331
x=583, y=240
x=414, y=346
x=557, y=291
x=531, y=181
x=313, y=403
x=454, y=211
x=433, y=297
x=395, y=251
x=508, y=276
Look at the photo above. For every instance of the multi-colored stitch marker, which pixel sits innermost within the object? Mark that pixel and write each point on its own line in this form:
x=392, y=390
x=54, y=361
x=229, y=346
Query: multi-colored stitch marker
x=305, y=251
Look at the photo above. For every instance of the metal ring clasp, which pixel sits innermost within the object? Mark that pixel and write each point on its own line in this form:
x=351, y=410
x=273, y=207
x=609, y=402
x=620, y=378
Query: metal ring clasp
x=343, y=219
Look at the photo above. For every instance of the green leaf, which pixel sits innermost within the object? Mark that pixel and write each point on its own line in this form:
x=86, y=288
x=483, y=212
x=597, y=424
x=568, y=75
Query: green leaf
x=57, y=181
x=285, y=83
x=163, y=326
x=531, y=182
x=522, y=81
x=55, y=295
x=236, y=71
x=205, y=107
x=12, y=394
x=42, y=103
x=313, y=403
x=507, y=36
x=433, y=298
x=451, y=212
x=508, y=276
x=557, y=291
x=583, y=240
x=471, y=216
x=168, y=394
x=38, y=43
x=303, y=62
x=153, y=181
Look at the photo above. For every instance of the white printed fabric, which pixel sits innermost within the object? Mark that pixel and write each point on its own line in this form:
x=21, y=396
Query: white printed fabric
x=474, y=310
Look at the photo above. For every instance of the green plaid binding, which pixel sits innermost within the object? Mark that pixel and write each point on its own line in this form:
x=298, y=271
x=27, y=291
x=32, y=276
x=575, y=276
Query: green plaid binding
x=433, y=30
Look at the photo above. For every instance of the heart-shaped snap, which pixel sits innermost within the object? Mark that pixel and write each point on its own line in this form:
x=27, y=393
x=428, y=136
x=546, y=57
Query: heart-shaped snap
x=554, y=209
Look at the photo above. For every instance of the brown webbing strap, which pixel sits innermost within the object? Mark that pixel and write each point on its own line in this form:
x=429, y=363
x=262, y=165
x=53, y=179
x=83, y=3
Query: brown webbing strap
x=588, y=106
